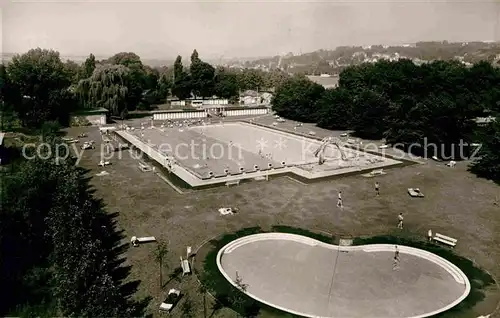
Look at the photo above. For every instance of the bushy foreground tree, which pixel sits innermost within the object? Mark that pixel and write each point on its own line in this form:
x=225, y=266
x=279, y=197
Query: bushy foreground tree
x=59, y=248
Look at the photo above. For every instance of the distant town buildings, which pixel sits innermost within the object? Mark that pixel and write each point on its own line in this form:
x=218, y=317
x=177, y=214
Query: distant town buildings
x=341, y=57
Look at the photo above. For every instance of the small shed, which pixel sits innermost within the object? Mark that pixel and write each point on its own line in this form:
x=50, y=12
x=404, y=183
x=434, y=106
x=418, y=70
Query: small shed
x=93, y=117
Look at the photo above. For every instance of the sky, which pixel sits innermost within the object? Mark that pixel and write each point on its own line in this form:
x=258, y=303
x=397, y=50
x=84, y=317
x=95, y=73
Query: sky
x=163, y=29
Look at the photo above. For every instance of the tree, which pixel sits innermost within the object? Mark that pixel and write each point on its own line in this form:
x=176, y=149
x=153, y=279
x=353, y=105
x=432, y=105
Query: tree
x=335, y=109
x=226, y=84
x=82, y=253
x=26, y=199
x=41, y=80
x=88, y=67
x=203, y=291
x=202, y=76
x=405, y=122
x=195, y=57
x=239, y=298
x=151, y=78
x=202, y=79
x=181, y=87
x=164, y=86
x=487, y=163
x=58, y=244
x=137, y=76
x=72, y=69
x=274, y=79
x=484, y=80
x=160, y=253
x=128, y=59
x=251, y=79
x=83, y=285
x=9, y=97
x=369, y=114
x=188, y=308
x=178, y=67
x=152, y=93
x=108, y=87
x=297, y=99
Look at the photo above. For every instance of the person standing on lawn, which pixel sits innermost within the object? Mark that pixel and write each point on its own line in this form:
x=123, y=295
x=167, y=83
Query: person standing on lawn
x=377, y=189
x=339, y=200
x=400, y=221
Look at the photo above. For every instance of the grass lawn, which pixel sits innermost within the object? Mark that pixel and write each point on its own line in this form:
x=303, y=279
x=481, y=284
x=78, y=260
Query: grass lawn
x=457, y=204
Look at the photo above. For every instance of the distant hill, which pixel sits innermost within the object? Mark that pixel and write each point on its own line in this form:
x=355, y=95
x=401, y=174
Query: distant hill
x=6, y=57
x=334, y=61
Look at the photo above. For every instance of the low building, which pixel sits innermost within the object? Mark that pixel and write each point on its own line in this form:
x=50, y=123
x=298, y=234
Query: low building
x=93, y=117
x=245, y=111
x=178, y=114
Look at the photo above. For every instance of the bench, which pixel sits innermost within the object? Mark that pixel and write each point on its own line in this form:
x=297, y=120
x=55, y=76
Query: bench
x=261, y=178
x=377, y=172
x=171, y=300
x=445, y=239
x=146, y=239
x=186, y=269
x=233, y=182
x=103, y=163
x=144, y=167
x=415, y=193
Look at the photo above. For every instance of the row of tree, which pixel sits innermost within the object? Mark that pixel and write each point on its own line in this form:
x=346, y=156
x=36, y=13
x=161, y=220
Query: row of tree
x=59, y=248
x=405, y=103
x=37, y=86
